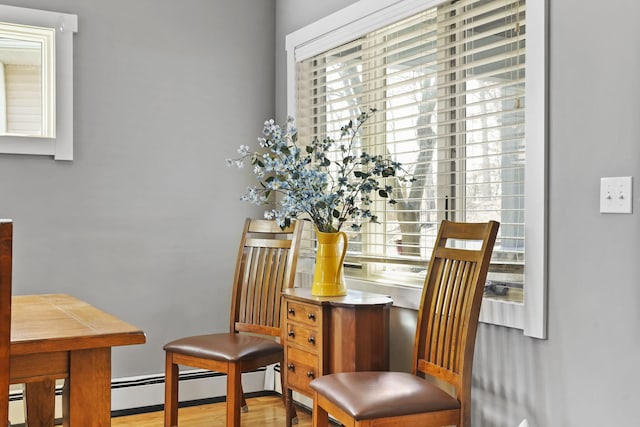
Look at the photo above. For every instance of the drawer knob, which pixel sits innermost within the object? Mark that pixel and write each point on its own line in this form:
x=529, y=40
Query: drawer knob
x=292, y=311
x=312, y=340
x=311, y=316
x=292, y=333
x=291, y=367
x=310, y=374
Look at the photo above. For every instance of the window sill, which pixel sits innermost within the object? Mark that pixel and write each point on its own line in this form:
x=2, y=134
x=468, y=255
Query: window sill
x=495, y=312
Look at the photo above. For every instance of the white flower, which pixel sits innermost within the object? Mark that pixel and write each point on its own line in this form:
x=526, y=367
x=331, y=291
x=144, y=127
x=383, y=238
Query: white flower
x=312, y=180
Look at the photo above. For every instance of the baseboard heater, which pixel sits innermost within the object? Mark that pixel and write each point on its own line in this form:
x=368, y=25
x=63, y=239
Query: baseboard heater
x=137, y=395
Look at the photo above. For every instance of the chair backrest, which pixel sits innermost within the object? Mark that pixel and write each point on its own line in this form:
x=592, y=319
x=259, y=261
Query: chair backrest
x=6, y=247
x=266, y=265
x=450, y=306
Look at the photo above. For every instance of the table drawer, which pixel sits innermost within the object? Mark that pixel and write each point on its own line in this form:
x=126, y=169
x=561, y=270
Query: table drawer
x=305, y=337
x=303, y=313
x=302, y=367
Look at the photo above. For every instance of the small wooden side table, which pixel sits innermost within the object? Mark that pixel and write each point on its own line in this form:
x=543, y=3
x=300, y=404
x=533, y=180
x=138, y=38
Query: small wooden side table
x=323, y=335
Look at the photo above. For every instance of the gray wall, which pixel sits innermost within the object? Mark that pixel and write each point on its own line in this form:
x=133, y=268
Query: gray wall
x=144, y=223
x=586, y=373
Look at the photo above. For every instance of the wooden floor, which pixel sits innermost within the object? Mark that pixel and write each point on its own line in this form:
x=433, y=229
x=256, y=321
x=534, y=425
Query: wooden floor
x=264, y=411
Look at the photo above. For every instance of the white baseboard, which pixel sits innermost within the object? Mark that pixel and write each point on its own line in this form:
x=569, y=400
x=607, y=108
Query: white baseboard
x=148, y=390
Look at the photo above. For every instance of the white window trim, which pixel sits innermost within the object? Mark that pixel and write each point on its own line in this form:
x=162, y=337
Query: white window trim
x=60, y=147
x=368, y=15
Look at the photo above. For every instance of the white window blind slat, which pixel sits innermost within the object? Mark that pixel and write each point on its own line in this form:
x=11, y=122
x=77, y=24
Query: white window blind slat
x=23, y=99
x=449, y=88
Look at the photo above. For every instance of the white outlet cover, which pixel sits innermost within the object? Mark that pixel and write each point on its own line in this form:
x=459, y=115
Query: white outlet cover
x=616, y=194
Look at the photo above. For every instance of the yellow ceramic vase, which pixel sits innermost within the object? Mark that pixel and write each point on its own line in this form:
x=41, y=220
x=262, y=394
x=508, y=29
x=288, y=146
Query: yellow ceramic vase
x=328, y=277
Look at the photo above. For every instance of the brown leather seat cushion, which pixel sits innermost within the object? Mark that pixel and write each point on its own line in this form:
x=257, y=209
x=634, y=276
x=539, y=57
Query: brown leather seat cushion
x=226, y=347
x=371, y=395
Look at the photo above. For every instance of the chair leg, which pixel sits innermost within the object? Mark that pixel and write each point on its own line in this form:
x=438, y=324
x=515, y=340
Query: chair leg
x=320, y=417
x=39, y=403
x=291, y=417
x=287, y=399
x=243, y=402
x=170, y=392
x=234, y=395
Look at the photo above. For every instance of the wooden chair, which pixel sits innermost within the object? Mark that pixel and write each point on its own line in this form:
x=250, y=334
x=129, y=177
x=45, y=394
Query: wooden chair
x=266, y=264
x=443, y=347
x=6, y=248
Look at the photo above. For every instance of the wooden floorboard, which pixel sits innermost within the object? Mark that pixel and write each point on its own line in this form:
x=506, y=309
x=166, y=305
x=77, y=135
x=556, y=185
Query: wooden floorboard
x=264, y=411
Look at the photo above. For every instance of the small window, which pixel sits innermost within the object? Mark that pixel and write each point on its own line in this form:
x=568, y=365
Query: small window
x=36, y=82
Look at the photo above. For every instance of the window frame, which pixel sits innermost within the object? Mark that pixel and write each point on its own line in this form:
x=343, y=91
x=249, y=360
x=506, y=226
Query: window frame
x=65, y=25
x=365, y=16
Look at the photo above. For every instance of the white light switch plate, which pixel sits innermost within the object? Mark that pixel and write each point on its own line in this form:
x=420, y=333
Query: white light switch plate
x=616, y=194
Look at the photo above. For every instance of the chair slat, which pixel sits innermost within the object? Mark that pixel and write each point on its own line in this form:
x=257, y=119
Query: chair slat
x=458, y=254
x=262, y=287
x=281, y=285
x=456, y=315
x=451, y=316
x=262, y=306
x=268, y=243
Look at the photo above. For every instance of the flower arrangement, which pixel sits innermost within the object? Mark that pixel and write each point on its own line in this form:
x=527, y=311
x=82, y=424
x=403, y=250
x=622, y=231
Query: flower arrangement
x=330, y=181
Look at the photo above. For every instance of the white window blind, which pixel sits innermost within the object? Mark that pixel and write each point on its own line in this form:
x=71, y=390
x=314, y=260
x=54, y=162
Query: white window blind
x=23, y=88
x=448, y=84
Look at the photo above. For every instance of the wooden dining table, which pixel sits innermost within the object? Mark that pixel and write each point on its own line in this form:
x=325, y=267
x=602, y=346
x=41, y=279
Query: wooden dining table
x=56, y=336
